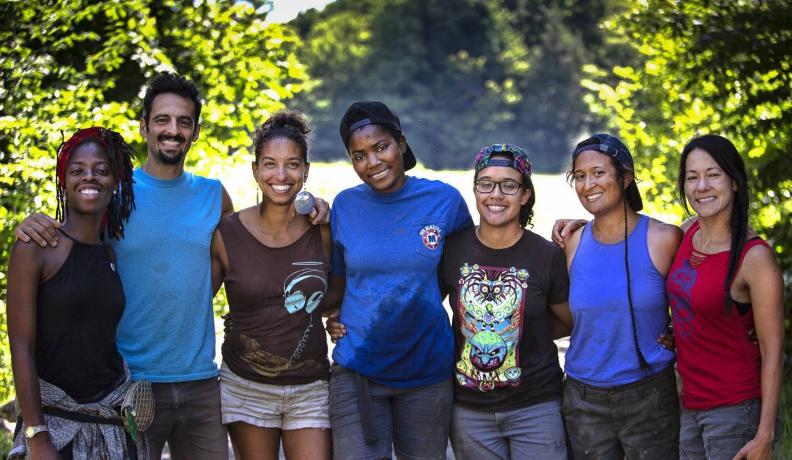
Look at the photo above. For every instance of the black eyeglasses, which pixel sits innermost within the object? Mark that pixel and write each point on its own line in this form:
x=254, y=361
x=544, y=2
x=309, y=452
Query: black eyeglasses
x=507, y=187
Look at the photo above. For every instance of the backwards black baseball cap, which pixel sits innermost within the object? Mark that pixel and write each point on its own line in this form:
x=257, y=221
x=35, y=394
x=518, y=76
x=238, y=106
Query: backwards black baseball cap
x=366, y=113
x=614, y=148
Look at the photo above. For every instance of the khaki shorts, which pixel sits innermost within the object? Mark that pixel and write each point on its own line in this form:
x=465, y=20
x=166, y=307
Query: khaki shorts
x=287, y=407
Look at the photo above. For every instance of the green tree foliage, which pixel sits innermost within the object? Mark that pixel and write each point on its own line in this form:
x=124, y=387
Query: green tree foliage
x=71, y=64
x=460, y=74
x=708, y=67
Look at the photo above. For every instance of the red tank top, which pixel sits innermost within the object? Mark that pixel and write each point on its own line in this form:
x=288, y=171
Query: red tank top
x=718, y=364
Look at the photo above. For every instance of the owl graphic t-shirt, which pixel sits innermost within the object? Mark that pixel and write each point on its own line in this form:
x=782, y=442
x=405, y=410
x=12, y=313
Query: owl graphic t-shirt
x=505, y=357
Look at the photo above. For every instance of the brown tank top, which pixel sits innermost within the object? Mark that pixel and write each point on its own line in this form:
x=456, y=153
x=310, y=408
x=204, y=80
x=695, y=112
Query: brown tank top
x=273, y=331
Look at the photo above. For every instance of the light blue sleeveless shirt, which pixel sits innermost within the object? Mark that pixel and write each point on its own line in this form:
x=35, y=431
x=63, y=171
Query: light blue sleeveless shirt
x=166, y=333
x=601, y=349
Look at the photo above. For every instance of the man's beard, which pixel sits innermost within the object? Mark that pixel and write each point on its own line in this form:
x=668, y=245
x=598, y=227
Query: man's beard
x=170, y=160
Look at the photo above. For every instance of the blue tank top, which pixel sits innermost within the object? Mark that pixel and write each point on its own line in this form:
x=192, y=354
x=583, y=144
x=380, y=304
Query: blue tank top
x=166, y=333
x=601, y=349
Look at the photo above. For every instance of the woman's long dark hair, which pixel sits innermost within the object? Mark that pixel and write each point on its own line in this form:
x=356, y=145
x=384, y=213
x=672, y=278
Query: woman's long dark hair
x=728, y=159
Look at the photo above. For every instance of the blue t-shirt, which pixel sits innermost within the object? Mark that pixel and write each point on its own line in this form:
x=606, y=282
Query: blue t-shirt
x=601, y=348
x=166, y=333
x=388, y=246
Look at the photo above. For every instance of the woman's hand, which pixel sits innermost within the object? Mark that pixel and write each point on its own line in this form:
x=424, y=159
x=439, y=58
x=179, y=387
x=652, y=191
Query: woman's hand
x=321, y=212
x=335, y=329
x=758, y=448
x=666, y=339
x=564, y=227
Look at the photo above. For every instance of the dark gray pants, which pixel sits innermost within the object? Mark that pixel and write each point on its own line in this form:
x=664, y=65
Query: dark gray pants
x=187, y=416
x=413, y=422
x=639, y=420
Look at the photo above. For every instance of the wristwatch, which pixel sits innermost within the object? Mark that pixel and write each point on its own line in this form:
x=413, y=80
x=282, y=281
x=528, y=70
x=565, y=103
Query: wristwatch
x=31, y=431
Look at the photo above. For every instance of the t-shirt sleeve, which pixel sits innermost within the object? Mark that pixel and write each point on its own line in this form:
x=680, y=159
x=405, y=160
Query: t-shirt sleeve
x=559, y=278
x=337, y=265
x=462, y=220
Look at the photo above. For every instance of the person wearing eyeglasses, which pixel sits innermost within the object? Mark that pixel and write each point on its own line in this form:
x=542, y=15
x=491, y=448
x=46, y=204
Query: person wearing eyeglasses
x=620, y=397
x=508, y=290
x=390, y=384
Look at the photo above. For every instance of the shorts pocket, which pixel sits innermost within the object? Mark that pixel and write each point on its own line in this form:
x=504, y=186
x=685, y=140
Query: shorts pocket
x=233, y=390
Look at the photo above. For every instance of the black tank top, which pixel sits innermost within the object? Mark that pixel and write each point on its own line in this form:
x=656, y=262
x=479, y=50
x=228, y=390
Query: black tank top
x=77, y=312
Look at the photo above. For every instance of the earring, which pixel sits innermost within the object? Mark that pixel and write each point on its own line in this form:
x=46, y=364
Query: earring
x=258, y=188
x=304, y=201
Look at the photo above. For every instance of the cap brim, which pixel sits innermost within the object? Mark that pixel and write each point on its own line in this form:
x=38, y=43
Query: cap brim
x=409, y=159
x=633, y=197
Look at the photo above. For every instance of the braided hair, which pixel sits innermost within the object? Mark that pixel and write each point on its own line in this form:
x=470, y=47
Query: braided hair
x=641, y=358
x=629, y=198
x=119, y=156
x=728, y=159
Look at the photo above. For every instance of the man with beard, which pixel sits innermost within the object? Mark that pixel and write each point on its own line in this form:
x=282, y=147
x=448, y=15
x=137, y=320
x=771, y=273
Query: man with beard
x=166, y=333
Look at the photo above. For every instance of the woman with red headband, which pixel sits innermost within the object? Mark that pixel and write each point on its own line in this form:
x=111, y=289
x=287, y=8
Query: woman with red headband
x=64, y=304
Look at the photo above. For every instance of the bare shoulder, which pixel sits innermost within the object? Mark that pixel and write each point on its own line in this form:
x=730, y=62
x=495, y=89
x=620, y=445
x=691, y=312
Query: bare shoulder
x=760, y=277
x=31, y=258
x=663, y=232
x=28, y=251
x=663, y=241
x=688, y=222
x=759, y=259
x=226, y=204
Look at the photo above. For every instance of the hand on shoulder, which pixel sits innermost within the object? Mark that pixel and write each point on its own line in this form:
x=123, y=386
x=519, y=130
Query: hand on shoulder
x=39, y=228
x=563, y=228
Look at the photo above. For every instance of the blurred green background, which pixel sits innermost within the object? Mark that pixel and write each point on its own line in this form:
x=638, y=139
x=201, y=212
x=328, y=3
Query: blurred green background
x=461, y=74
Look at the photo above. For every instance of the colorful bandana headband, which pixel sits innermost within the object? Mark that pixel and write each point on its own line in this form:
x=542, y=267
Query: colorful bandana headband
x=519, y=161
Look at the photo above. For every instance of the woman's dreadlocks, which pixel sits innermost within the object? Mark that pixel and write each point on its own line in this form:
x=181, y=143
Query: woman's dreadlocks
x=119, y=155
